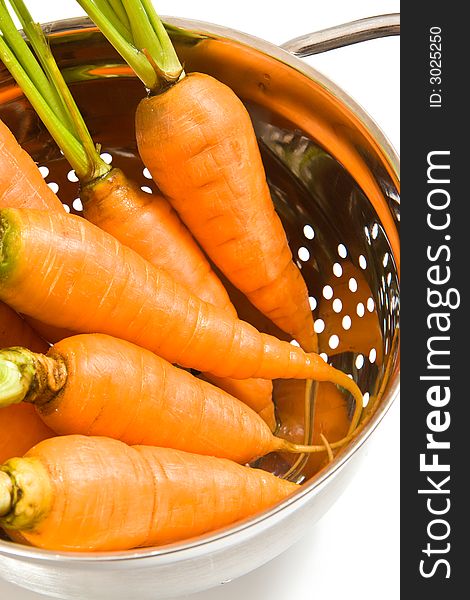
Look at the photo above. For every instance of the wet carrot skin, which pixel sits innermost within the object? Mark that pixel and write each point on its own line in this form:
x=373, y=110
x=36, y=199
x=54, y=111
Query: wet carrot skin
x=209, y=167
x=108, y=496
x=116, y=389
x=80, y=265
x=256, y=393
x=149, y=225
x=21, y=183
x=21, y=428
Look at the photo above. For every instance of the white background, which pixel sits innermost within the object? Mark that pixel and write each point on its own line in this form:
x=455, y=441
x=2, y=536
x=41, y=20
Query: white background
x=353, y=552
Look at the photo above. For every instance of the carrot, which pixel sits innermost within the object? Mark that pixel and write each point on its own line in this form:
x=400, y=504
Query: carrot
x=21, y=429
x=21, y=183
x=79, y=265
x=93, y=493
x=256, y=393
x=196, y=138
x=20, y=426
x=99, y=385
x=146, y=223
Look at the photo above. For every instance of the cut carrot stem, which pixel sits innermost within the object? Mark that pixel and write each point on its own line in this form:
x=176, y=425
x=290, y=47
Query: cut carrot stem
x=94, y=493
x=150, y=52
x=25, y=493
x=6, y=493
x=78, y=264
x=70, y=146
x=15, y=378
x=29, y=376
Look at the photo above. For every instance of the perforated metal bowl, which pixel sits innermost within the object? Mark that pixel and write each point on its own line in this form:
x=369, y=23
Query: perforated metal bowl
x=334, y=180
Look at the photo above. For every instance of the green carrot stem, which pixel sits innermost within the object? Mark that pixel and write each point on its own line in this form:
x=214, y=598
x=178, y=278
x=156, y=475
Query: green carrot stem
x=69, y=116
x=113, y=11
x=150, y=54
x=26, y=58
x=135, y=59
x=120, y=12
x=142, y=31
x=71, y=148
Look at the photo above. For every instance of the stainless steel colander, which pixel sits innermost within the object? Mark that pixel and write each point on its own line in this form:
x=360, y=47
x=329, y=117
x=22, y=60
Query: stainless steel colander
x=334, y=180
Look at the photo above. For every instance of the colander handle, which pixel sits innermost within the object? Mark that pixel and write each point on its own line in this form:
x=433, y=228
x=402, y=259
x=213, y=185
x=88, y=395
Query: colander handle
x=344, y=35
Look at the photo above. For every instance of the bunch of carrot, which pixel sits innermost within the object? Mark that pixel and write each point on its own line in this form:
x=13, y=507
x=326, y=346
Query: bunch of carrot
x=159, y=454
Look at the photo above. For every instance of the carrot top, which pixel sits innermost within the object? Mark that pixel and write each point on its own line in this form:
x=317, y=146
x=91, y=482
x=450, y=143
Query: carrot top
x=16, y=375
x=43, y=84
x=136, y=31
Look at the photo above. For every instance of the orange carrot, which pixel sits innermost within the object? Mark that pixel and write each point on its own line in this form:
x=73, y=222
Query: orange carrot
x=15, y=331
x=196, y=138
x=208, y=164
x=146, y=223
x=256, y=393
x=91, y=493
x=21, y=183
x=20, y=426
x=79, y=265
x=99, y=385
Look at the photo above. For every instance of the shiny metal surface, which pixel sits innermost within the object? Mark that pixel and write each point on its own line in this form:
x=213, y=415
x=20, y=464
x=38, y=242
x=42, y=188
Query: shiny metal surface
x=344, y=35
x=331, y=172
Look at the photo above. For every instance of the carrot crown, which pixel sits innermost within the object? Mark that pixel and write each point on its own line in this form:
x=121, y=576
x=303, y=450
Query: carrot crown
x=25, y=493
x=43, y=84
x=16, y=376
x=30, y=377
x=136, y=31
